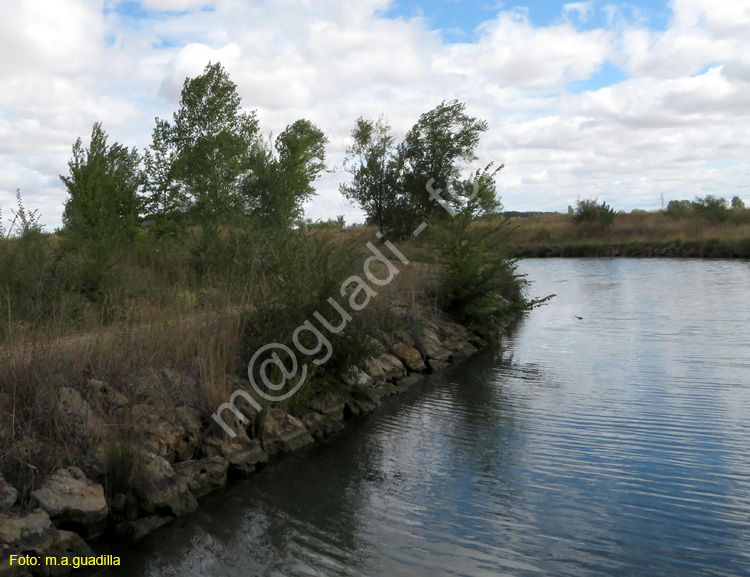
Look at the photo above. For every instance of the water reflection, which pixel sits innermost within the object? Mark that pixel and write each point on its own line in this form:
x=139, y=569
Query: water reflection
x=613, y=445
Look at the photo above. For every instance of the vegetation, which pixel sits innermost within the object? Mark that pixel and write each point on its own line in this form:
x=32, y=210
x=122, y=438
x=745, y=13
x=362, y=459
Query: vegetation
x=174, y=264
x=703, y=227
x=396, y=185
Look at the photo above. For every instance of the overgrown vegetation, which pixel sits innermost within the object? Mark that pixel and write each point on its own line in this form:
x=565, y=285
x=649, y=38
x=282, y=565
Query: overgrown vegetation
x=175, y=263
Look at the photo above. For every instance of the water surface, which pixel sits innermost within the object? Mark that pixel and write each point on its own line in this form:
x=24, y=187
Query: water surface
x=616, y=444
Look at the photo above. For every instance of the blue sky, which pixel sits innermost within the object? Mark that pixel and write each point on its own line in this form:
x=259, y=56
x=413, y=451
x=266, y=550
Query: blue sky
x=623, y=101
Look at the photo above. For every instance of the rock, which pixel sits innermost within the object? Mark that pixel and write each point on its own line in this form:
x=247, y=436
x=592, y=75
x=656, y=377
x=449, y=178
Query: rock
x=77, y=414
x=160, y=491
x=204, y=476
x=436, y=366
x=432, y=347
x=392, y=367
x=283, y=433
x=358, y=378
x=244, y=456
x=410, y=357
x=73, y=502
x=320, y=425
x=464, y=349
x=327, y=403
x=375, y=370
x=363, y=400
x=410, y=381
x=8, y=494
x=104, y=396
x=173, y=434
x=326, y=415
x=33, y=534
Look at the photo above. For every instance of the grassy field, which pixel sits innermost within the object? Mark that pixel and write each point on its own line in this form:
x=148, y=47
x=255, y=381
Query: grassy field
x=638, y=233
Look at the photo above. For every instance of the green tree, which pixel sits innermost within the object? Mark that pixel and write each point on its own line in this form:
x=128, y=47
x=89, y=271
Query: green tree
x=712, y=208
x=438, y=146
x=738, y=203
x=101, y=213
x=205, y=150
x=165, y=198
x=592, y=212
x=679, y=208
x=281, y=176
x=373, y=163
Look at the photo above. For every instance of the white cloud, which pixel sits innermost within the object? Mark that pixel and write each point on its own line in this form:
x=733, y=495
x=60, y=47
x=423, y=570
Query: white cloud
x=678, y=125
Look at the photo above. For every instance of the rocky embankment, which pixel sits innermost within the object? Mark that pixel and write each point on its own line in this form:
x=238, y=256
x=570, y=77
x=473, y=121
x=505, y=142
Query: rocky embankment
x=180, y=456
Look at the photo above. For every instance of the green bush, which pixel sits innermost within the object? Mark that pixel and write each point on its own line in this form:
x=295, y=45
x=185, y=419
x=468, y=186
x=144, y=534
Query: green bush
x=302, y=272
x=593, y=212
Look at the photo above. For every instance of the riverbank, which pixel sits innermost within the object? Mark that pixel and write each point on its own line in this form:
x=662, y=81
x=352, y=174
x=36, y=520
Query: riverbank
x=181, y=457
x=635, y=234
x=707, y=248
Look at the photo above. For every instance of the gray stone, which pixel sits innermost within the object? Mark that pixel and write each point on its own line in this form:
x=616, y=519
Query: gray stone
x=244, y=456
x=283, y=433
x=433, y=348
x=392, y=367
x=436, y=366
x=375, y=370
x=410, y=357
x=160, y=491
x=203, y=476
x=76, y=413
x=33, y=534
x=173, y=434
x=8, y=494
x=72, y=501
x=104, y=396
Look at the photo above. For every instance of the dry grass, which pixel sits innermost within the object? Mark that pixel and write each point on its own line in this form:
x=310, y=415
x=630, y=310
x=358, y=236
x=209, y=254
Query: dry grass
x=553, y=229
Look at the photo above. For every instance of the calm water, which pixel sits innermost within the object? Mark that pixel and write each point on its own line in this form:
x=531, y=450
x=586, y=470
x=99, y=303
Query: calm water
x=618, y=444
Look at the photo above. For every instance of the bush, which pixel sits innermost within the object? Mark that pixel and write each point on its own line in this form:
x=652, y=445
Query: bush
x=302, y=273
x=478, y=280
x=593, y=212
x=712, y=208
x=679, y=209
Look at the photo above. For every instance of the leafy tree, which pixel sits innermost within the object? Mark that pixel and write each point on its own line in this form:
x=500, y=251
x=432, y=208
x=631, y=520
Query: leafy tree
x=679, y=208
x=373, y=163
x=281, y=177
x=164, y=195
x=738, y=203
x=593, y=212
x=712, y=208
x=434, y=152
x=102, y=210
x=203, y=153
x=477, y=280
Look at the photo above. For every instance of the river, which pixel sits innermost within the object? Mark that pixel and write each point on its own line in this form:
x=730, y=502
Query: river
x=617, y=444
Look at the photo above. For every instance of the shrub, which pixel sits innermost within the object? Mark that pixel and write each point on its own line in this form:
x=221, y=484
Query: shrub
x=593, y=212
x=712, y=208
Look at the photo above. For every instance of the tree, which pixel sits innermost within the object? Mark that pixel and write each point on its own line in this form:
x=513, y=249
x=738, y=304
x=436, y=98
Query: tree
x=203, y=153
x=712, y=208
x=373, y=163
x=280, y=179
x=433, y=153
x=593, y=212
x=738, y=203
x=102, y=210
x=164, y=195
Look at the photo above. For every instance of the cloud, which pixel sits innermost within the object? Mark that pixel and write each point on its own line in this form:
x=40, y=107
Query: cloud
x=676, y=124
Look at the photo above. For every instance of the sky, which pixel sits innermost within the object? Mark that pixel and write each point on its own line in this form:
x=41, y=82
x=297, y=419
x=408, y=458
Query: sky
x=634, y=103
